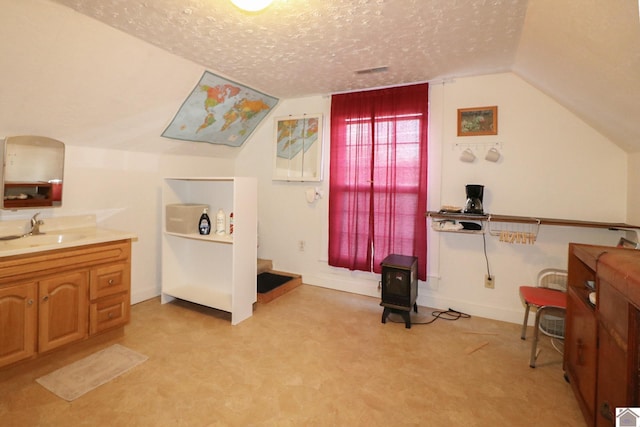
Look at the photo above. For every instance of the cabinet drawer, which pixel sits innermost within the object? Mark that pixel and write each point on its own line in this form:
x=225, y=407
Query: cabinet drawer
x=109, y=280
x=108, y=313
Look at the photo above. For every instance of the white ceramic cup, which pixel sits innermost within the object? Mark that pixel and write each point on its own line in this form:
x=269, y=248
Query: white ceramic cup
x=493, y=155
x=467, y=156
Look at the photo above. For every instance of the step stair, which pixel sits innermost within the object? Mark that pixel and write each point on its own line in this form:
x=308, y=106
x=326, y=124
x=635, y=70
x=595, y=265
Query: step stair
x=266, y=266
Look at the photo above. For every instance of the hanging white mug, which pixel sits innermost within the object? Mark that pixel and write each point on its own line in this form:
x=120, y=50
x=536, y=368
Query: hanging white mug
x=467, y=156
x=493, y=155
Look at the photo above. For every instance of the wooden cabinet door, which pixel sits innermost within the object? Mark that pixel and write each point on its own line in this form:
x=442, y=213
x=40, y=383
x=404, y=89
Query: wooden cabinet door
x=617, y=338
x=63, y=310
x=18, y=317
x=581, y=351
x=612, y=378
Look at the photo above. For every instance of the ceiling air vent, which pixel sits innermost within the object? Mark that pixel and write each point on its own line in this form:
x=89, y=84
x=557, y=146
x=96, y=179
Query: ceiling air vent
x=373, y=70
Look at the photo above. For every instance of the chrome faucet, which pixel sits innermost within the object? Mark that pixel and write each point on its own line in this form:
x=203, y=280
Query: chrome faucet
x=35, y=225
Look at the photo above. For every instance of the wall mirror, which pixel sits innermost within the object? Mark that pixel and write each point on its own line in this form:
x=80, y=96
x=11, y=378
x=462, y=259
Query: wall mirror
x=32, y=172
x=298, y=148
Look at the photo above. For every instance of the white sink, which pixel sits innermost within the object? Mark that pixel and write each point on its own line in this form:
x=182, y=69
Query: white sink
x=41, y=240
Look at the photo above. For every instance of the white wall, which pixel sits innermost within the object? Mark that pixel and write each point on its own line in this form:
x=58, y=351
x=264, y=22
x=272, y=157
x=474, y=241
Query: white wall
x=285, y=217
x=633, y=207
x=553, y=166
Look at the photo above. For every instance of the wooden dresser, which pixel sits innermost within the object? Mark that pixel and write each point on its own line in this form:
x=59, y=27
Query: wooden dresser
x=601, y=341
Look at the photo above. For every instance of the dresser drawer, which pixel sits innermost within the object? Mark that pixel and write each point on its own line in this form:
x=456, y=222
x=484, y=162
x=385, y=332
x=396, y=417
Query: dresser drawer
x=109, y=280
x=108, y=313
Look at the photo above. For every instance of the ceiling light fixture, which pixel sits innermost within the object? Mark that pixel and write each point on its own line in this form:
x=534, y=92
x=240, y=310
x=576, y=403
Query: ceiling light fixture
x=251, y=5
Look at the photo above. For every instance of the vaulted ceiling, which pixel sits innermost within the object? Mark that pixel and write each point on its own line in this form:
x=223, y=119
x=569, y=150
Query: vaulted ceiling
x=585, y=54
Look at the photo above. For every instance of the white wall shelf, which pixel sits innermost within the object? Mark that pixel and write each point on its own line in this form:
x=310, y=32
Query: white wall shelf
x=217, y=271
x=526, y=220
x=512, y=229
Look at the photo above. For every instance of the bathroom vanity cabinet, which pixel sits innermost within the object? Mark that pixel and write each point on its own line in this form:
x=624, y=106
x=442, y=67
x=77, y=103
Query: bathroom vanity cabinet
x=52, y=298
x=214, y=270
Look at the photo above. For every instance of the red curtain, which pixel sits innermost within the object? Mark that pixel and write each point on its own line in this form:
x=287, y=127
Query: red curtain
x=378, y=177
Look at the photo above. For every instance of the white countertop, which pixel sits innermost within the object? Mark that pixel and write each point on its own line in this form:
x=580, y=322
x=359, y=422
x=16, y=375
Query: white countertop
x=58, y=233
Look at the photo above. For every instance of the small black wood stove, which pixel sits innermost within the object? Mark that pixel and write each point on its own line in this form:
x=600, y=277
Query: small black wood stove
x=399, y=286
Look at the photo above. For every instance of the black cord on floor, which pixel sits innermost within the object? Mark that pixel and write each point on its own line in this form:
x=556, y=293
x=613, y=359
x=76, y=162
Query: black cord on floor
x=449, y=314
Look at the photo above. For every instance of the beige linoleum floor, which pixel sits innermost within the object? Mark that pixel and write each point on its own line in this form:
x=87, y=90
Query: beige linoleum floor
x=313, y=357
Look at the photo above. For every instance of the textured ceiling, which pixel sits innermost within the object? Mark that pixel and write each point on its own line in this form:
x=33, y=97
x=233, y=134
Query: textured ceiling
x=302, y=47
x=585, y=54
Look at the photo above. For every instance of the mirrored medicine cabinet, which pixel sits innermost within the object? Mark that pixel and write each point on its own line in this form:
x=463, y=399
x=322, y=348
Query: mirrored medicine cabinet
x=298, y=148
x=32, y=172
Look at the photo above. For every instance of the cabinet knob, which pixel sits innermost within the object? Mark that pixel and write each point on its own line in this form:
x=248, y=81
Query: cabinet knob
x=111, y=282
x=110, y=315
x=30, y=301
x=45, y=298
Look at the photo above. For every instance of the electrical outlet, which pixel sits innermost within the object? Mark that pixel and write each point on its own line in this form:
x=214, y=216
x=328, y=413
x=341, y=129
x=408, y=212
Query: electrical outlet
x=489, y=281
x=301, y=244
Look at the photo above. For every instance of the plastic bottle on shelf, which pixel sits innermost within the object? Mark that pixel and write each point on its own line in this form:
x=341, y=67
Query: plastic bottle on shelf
x=231, y=223
x=221, y=222
x=204, y=225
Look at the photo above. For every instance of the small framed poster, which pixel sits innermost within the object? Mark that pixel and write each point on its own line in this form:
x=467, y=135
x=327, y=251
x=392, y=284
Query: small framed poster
x=478, y=121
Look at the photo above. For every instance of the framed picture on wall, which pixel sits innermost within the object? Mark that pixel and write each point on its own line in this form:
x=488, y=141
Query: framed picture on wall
x=297, y=151
x=478, y=121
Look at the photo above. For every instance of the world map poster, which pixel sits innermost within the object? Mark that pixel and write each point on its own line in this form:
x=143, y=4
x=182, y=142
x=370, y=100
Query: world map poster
x=219, y=111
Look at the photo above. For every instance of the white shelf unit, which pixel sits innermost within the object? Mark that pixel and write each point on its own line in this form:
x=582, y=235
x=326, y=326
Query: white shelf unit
x=217, y=271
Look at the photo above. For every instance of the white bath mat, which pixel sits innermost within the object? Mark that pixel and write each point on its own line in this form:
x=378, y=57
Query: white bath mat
x=84, y=375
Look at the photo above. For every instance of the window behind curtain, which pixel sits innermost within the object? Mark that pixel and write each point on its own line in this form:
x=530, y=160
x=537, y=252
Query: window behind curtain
x=378, y=177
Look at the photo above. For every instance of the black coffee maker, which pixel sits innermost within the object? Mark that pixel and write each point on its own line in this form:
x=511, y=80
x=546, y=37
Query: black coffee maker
x=474, y=199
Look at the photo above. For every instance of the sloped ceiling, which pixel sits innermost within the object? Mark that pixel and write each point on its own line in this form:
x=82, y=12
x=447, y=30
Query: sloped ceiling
x=585, y=54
